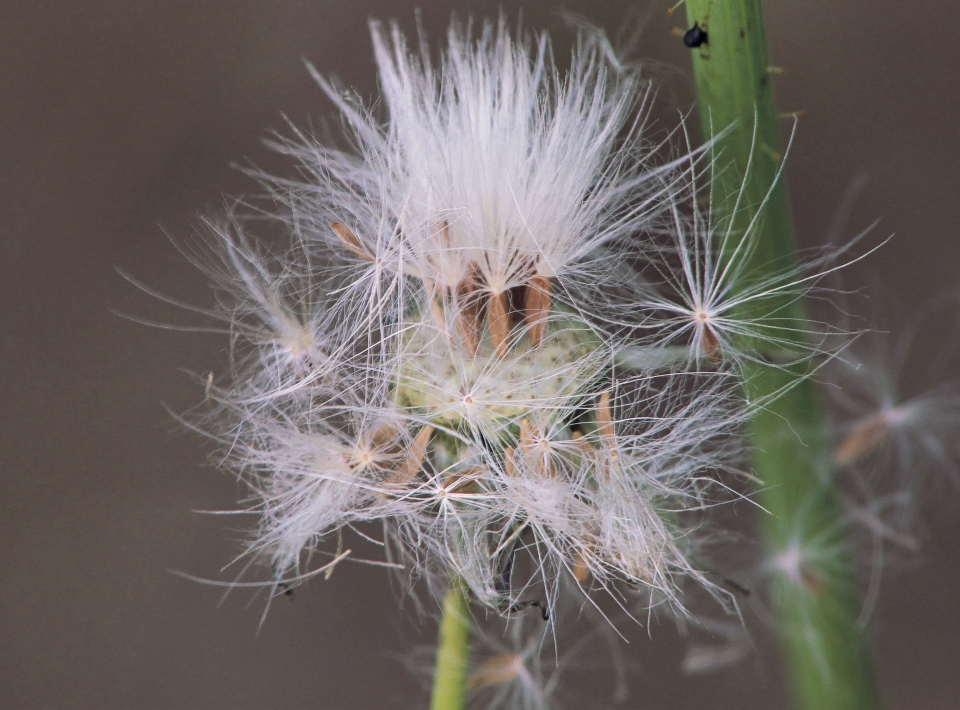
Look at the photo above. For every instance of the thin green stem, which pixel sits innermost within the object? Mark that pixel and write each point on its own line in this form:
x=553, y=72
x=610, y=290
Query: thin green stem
x=815, y=594
x=449, y=680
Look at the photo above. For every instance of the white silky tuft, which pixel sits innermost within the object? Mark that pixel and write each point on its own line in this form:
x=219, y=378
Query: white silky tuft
x=442, y=345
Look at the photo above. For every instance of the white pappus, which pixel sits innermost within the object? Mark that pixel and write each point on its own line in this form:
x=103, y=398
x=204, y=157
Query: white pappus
x=437, y=346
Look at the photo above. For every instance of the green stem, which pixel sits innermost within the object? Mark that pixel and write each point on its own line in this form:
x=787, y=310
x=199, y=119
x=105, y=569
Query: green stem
x=449, y=680
x=815, y=593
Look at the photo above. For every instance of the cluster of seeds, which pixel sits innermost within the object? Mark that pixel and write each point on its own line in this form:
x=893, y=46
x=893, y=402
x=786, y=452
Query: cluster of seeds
x=465, y=336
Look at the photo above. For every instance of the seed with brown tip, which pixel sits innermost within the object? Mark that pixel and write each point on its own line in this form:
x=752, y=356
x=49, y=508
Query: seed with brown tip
x=498, y=318
x=468, y=310
x=385, y=437
x=509, y=467
x=351, y=241
x=709, y=343
x=580, y=569
x=536, y=306
x=411, y=463
x=605, y=420
x=465, y=481
x=608, y=439
x=811, y=580
x=496, y=671
x=865, y=438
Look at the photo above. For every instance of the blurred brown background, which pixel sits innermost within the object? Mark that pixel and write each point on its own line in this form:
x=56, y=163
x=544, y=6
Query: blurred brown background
x=119, y=120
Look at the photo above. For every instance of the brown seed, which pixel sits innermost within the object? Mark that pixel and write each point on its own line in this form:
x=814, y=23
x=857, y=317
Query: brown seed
x=605, y=420
x=583, y=443
x=509, y=467
x=444, y=232
x=526, y=435
x=464, y=481
x=410, y=465
x=498, y=318
x=580, y=569
x=468, y=310
x=351, y=241
x=385, y=436
x=536, y=306
x=709, y=344
x=436, y=312
x=496, y=671
x=811, y=580
x=434, y=301
x=608, y=438
x=865, y=438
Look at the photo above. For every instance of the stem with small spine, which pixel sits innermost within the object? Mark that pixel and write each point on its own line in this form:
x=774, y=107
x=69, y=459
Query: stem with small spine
x=453, y=647
x=815, y=594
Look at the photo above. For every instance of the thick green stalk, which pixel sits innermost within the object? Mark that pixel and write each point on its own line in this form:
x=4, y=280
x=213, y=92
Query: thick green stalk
x=815, y=592
x=449, y=680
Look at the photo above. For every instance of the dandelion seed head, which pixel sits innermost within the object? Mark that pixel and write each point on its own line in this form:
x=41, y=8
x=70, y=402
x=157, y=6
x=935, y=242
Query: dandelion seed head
x=437, y=348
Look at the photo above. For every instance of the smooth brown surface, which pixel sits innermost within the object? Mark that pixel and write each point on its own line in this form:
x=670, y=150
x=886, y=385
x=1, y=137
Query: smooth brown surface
x=121, y=120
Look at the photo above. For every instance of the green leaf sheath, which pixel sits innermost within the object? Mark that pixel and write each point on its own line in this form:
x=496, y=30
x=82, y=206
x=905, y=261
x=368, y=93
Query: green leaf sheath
x=453, y=647
x=815, y=594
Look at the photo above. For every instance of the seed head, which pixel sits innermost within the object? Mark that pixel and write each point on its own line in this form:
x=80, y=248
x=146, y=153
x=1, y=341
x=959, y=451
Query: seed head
x=439, y=345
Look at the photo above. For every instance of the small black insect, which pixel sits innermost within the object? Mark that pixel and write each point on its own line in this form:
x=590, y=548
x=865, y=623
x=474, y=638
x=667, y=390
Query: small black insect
x=695, y=36
x=286, y=588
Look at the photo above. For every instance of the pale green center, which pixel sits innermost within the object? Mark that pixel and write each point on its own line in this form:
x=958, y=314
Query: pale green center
x=453, y=389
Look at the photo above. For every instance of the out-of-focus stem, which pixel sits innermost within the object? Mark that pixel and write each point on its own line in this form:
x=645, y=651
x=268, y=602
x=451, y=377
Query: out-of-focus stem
x=453, y=647
x=815, y=593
